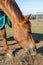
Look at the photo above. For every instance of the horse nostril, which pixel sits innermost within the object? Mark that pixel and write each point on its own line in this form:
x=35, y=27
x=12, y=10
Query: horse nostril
x=35, y=51
x=32, y=51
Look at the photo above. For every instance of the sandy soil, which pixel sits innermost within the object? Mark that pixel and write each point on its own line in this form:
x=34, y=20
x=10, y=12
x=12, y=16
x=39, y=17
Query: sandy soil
x=20, y=57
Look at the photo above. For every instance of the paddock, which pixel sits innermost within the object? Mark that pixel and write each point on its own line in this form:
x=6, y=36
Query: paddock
x=20, y=58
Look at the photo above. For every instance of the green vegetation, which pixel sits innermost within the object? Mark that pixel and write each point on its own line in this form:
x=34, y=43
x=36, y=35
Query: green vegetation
x=37, y=26
x=37, y=29
x=34, y=28
x=9, y=32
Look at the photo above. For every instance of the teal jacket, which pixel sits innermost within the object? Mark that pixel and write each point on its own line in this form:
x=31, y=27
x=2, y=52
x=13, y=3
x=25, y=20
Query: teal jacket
x=4, y=20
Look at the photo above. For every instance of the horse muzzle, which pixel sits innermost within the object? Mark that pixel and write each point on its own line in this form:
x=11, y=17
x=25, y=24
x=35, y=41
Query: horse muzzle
x=31, y=51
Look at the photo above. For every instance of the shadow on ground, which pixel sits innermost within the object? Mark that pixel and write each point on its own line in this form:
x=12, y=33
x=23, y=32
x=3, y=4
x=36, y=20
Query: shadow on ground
x=40, y=50
x=10, y=39
x=37, y=37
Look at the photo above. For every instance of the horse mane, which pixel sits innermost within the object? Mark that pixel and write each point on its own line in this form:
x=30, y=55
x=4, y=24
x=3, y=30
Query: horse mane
x=13, y=8
x=16, y=9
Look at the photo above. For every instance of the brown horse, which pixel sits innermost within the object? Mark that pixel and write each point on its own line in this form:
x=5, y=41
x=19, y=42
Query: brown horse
x=21, y=25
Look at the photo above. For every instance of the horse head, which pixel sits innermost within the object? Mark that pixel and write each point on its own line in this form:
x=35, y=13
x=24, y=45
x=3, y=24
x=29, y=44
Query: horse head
x=24, y=35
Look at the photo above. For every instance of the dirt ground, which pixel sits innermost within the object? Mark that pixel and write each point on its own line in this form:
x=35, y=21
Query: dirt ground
x=19, y=56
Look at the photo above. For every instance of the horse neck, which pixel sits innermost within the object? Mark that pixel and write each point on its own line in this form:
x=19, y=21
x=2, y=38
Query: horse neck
x=11, y=9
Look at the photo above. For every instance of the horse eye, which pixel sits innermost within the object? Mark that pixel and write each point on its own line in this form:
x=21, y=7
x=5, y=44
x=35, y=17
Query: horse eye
x=27, y=22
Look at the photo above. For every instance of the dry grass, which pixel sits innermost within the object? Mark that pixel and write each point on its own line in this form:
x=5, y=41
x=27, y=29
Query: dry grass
x=20, y=58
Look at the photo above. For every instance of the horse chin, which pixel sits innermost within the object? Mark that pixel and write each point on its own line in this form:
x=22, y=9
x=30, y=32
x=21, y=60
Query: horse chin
x=31, y=51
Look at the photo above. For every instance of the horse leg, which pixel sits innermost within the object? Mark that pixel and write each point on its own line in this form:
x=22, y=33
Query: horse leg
x=4, y=42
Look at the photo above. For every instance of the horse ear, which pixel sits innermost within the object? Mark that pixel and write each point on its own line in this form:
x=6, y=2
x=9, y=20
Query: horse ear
x=27, y=17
